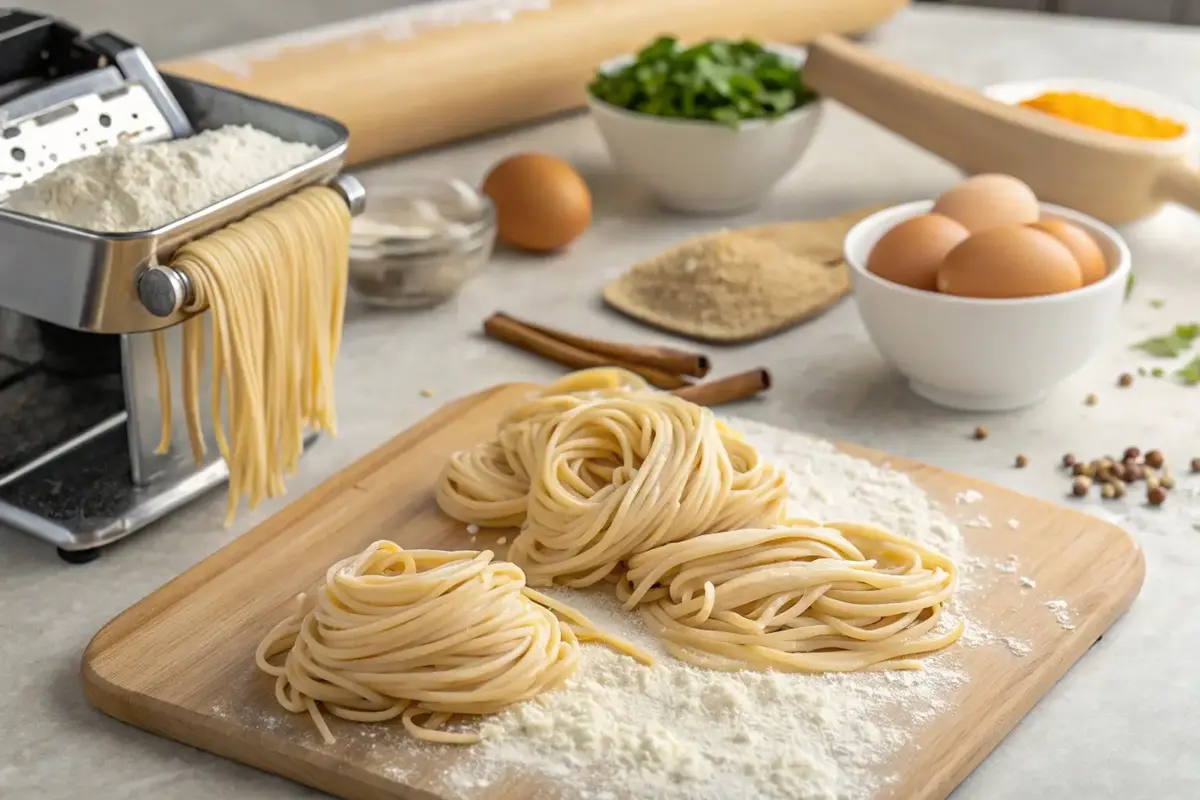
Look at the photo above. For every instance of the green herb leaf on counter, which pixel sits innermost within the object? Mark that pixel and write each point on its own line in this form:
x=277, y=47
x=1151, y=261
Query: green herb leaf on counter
x=1129, y=282
x=1173, y=343
x=1190, y=373
x=718, y=81
x=1158, y=372
x=1157, y=303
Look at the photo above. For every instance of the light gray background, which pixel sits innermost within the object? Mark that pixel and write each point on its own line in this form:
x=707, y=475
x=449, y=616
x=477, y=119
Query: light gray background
x=1122, y=725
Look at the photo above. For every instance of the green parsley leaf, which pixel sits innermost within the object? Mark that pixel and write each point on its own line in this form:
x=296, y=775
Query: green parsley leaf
x=1158, y=372
x=1157, y=303
x=719, y=80
x=1129, y=282
x=1172, y=344
x=1189, y=374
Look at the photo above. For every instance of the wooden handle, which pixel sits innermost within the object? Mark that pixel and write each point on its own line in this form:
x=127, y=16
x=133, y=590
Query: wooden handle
x=1180, y=183
x=399, y=81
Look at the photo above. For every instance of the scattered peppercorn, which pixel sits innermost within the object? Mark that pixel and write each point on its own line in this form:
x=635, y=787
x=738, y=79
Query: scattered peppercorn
x=1167, y=482
x=1068, y=461
x=1118, y=488
x=1156, y=496
x=1196, y=465
x=1131, y=453
x=1155, y=458
x=1108, y=491
x=1081, y=485
x=1152, y=481
x=1125, y=380
x=1090, y=400
x=1022, y=461
x=1078, y=469
x=981, y=433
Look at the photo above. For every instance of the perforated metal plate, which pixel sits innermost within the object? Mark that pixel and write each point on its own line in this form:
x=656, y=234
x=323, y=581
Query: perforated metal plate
x=35, y=144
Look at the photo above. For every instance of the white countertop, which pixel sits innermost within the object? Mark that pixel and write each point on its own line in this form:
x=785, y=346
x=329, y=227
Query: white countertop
x=1122, y=724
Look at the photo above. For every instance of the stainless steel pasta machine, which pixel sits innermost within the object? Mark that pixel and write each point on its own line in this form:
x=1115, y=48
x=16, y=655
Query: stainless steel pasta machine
x=79, y=412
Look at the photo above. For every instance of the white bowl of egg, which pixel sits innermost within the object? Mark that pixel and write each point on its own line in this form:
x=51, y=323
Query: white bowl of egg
x=986, y=299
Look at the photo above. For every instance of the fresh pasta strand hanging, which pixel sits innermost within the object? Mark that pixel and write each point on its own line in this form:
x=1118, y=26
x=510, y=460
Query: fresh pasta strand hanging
x=423, y=635
x=274, y=285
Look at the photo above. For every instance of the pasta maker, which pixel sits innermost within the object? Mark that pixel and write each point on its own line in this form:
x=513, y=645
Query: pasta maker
x=79, y=402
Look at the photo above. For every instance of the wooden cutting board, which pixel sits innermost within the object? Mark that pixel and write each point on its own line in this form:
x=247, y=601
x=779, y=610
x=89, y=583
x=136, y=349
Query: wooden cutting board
x=180, y=662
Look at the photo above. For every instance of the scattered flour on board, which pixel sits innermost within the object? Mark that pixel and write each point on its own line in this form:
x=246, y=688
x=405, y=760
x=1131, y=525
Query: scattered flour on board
x=143, y=186
x=1062, y=614
x=674, y=731
x=968, y=496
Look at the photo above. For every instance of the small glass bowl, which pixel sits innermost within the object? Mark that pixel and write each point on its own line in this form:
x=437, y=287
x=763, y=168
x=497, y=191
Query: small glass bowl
x=419, y=241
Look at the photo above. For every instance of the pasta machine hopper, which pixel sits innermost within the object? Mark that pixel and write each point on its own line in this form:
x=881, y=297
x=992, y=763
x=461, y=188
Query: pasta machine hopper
x=79, y=408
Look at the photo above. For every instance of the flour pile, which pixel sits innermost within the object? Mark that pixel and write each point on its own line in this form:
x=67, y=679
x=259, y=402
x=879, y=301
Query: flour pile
x=139, y=187
x=674, y=731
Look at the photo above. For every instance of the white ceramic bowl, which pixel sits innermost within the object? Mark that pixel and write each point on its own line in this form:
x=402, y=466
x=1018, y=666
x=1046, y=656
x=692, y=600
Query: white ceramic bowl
x=1122, y=93
x=705, y=167
x=985, y=355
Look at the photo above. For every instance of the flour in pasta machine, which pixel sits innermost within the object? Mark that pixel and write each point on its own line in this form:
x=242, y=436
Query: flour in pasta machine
x=79, y=413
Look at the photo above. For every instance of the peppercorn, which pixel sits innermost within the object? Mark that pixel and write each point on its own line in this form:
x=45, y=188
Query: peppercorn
x=1022, y=461
x=1108, y=491
x=981, y=433
x=1155, y=458
x=1081, y=485
x=1068, y=461
x=1167, y=482
x=1156, y=496
x=1196, y=465
x=1118, y=488
x=1131, y=453
x=1090, y=400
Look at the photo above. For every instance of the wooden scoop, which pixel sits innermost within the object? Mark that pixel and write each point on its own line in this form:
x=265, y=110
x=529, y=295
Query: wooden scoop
x=1115, y=178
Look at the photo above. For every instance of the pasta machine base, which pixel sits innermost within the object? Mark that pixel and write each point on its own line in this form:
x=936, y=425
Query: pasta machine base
x=79, y=405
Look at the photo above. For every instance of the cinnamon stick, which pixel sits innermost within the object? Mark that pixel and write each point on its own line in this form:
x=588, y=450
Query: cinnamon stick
x=726, y=390
x=667, y=359
x=506, y=329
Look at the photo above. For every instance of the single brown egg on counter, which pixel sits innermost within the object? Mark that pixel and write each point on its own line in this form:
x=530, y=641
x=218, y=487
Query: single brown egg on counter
x=542, y=203
x=1017, y=261
x=989, y=201
x=1092, y=266
x=911, y=253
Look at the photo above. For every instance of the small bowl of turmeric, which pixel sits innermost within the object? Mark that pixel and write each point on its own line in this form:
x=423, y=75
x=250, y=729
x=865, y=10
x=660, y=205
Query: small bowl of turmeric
x=1115, y=108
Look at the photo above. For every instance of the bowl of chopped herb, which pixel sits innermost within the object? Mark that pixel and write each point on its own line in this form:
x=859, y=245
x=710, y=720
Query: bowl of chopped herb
x=708, y=128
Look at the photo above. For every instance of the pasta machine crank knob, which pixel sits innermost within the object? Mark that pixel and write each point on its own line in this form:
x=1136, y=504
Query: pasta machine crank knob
x=352, y=191
x=163, y=290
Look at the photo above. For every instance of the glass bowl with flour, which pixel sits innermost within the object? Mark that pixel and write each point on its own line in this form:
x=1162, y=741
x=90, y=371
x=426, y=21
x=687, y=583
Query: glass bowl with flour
x=419, y=242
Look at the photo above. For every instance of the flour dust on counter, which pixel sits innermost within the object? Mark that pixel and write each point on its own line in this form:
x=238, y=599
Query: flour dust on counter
x=676, y=732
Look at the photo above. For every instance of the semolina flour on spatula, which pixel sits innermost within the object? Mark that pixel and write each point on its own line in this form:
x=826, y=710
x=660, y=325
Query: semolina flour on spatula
x=738, y=286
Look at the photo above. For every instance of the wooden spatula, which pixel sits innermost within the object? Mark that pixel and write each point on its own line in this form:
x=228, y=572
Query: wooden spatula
x=1114, y=178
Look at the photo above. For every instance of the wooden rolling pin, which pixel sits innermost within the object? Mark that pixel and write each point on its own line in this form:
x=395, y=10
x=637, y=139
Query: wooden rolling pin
x=1114, y=178
x=435, y=72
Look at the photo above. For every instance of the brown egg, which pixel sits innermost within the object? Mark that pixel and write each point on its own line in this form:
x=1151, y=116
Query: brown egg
x=1092, y=266
x=1016, y=261
x=542, y=204
x=911, y=253
x=989, y=201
